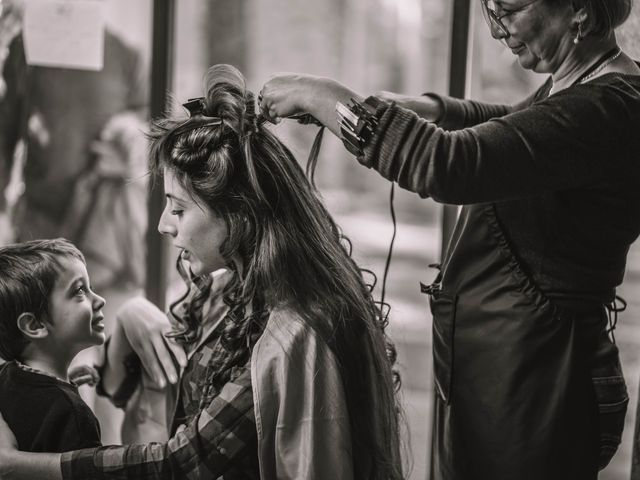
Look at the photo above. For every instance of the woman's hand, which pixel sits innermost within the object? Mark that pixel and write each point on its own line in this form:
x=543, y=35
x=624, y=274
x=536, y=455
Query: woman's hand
x=287, y=94
x=144, y=326
x=8, y=445
x=284, y=95
x=426, y=107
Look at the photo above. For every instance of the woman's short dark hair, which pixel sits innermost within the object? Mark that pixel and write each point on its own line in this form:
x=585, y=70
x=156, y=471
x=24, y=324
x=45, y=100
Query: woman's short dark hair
x=603, y=16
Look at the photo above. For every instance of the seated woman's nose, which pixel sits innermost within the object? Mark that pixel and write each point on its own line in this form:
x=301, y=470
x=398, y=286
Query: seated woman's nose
x=165, y=227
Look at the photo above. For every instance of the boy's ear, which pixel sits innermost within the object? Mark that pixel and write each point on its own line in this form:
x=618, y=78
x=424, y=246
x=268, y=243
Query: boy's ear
x=32, y=327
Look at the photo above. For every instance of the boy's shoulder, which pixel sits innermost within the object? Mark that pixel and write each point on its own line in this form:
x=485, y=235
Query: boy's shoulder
x=46, y=414
x=17, y=379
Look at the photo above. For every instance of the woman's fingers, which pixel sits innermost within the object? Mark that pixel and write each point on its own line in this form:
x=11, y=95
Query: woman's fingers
x=285, y=95
x=178, y=351
x=268, y=109
x=279, y=97
x=145, y=326
x=161, y=357
x=150, y=362
x=166, y=359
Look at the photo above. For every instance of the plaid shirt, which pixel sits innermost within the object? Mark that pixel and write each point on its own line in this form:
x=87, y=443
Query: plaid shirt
x=220, y=441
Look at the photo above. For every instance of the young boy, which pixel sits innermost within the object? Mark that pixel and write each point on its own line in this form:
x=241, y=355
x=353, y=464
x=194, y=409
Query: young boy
x=48, y=314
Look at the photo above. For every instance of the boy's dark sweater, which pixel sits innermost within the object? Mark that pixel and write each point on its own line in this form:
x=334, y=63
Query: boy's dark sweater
x=45, y=414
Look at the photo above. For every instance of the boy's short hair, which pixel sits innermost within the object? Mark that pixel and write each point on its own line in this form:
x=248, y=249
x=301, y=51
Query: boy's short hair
x=28, y=272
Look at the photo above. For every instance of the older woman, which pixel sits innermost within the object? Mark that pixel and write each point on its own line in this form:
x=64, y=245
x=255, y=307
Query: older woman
x=528, y=382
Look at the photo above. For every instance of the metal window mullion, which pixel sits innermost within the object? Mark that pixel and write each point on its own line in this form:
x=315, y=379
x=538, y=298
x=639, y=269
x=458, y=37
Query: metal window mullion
x=459, y=74
x=161, y=82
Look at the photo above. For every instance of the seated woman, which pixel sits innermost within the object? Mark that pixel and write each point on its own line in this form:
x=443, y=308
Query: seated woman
x=289, y=371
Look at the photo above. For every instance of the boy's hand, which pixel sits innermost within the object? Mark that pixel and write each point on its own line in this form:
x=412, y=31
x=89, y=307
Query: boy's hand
x=8, y=445
x=84, y=375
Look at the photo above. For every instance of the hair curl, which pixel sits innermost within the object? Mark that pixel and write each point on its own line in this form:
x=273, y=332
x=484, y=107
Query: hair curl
x=292, y=255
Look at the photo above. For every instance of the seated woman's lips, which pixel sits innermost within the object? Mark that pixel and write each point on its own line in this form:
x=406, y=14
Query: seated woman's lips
x=98, y=324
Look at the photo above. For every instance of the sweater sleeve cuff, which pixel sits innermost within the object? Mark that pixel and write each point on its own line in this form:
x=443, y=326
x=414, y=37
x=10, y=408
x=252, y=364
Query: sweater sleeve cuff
x=386, y=142
x=452, y=111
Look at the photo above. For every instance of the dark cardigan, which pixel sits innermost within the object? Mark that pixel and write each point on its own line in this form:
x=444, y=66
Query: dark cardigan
x=563, y=171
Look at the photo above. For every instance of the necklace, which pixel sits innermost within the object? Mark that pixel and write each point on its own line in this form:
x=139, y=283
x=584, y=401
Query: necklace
x=27, y=368
x=600, y=65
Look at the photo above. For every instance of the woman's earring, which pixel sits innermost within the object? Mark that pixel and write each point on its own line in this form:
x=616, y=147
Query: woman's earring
x=578, y=37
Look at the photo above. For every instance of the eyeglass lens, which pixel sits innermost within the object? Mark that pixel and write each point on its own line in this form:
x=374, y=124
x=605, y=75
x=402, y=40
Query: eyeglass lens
x=489, y=9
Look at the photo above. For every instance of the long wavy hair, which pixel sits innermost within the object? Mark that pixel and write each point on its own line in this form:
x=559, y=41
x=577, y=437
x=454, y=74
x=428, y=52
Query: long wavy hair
x=292, y=256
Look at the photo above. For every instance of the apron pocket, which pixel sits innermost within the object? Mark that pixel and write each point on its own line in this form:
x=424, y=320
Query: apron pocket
x=443, y=308
x=612, y=398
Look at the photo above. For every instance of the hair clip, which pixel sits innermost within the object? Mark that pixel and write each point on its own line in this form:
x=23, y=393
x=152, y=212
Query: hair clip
x=195, y=106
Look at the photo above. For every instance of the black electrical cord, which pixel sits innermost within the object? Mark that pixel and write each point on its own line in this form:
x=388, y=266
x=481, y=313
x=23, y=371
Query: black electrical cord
x=387, y=264
x=310, y=172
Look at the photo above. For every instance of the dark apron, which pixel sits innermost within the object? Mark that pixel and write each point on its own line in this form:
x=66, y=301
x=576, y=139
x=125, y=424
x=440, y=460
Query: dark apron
x=525, y=388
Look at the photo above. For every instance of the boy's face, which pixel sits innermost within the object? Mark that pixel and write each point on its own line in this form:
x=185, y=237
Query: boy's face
x=76, y=319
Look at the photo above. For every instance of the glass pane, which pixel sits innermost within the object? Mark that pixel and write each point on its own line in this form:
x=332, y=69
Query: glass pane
x=72, y=146
x=496, y=75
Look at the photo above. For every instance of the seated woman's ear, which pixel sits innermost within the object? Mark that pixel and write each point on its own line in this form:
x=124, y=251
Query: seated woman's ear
x=31, y=326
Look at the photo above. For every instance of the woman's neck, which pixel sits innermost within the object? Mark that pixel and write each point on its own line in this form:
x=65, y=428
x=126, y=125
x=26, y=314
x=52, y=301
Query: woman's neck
x=587, y=54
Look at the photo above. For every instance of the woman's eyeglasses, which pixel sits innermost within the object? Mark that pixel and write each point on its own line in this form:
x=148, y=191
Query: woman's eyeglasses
x=494, y=20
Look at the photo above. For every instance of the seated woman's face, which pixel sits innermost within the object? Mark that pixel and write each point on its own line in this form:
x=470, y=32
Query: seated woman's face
x=193, y=227
x=541, y=32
